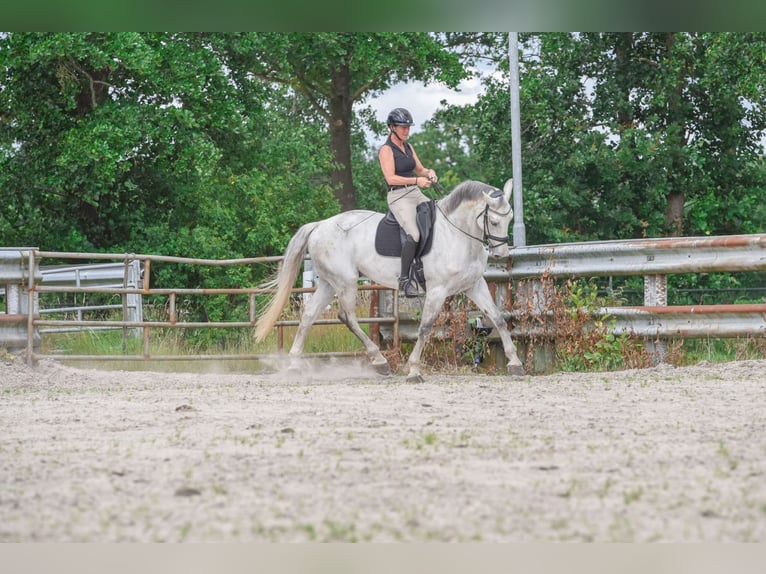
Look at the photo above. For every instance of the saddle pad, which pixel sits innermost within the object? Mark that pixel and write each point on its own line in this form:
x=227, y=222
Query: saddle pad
x=389, y=235
x=388, y=240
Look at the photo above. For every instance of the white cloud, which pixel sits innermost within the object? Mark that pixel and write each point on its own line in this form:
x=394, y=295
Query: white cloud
x=421, y=100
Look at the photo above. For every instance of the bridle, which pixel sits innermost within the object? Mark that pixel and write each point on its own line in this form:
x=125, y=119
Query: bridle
x=485, y=240
x=501, y=240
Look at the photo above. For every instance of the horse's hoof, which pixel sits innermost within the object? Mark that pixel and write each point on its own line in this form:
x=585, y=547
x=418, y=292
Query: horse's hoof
x=516, y=371
x=294, y=367
x=382, y=368
x=417, y=378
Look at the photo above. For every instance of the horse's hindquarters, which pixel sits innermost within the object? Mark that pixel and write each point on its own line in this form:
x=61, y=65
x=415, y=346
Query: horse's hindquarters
x=342, y=250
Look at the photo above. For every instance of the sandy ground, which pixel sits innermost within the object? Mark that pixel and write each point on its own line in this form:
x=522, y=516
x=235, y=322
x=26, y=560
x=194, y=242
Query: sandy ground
x=341, y=454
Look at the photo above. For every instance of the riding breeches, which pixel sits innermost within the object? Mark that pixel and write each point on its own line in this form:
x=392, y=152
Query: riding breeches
x=403, y=204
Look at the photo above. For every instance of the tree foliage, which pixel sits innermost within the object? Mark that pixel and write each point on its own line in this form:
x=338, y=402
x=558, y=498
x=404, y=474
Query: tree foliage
x=221, y=145
x=151, y=142
x=334, y=71
x=629, y=135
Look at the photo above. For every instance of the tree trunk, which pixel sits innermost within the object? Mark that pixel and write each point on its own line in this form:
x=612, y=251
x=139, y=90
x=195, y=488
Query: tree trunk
x=623, y=54
x=674, y=215
x=340, y=138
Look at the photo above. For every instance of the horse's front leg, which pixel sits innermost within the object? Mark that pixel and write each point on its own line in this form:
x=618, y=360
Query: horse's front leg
x=480, y=295
x=431, y=308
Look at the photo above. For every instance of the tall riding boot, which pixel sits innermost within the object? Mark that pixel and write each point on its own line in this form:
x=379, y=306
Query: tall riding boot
x=406, y=284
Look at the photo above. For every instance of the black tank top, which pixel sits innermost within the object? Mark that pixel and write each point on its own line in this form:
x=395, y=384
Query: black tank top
x=404, y=163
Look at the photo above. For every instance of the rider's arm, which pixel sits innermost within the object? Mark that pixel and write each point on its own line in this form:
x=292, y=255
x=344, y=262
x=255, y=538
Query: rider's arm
x=422, y=171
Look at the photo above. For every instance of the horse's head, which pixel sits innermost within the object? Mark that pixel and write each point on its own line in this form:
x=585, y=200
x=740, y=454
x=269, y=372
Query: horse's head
x=497, y=217
x=486, y=213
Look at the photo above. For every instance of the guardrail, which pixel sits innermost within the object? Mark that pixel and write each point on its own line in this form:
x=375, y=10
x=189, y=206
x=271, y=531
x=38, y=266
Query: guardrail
x=125, y=274
x=641, y=257
x=653, y=259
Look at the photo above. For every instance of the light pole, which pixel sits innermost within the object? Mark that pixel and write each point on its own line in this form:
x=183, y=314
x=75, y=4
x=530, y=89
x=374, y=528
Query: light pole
x=519, y=231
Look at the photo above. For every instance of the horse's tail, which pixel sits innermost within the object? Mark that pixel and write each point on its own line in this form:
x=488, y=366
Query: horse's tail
x=284, y=280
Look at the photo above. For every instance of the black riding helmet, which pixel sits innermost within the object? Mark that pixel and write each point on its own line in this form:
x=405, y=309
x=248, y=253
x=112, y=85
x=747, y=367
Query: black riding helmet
x=400, y=117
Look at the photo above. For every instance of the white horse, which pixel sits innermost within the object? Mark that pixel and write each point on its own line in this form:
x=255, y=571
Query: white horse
x=471, y=223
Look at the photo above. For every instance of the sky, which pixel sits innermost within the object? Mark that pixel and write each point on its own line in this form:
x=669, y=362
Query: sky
x=422, y=101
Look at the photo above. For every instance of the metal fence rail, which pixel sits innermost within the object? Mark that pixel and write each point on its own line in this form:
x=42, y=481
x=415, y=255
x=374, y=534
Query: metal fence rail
x=136, y=322
x=654, y=259
x=651, y=258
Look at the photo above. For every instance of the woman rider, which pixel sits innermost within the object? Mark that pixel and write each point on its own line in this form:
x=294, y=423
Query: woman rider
x=405, y=175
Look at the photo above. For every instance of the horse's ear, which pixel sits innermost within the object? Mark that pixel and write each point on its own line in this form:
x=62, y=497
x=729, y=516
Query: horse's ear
x=508, y=189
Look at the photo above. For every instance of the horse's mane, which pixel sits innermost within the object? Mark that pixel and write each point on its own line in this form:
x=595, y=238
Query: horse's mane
x=466, y=191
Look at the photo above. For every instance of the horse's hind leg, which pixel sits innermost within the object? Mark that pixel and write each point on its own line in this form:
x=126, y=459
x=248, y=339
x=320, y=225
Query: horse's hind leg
x=347, y=315
x=431, y=308
x=318, y=301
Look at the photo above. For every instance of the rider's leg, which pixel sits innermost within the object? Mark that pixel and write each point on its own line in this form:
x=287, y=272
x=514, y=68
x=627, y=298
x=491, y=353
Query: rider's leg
x=403, y=204
x=406, y=285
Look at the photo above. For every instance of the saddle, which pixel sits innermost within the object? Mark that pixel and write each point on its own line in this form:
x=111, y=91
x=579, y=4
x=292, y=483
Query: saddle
x=390, y=237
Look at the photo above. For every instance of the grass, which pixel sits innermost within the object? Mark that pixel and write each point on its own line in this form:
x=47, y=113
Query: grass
x=722, y=350
x=633, y=495
x=170, y=341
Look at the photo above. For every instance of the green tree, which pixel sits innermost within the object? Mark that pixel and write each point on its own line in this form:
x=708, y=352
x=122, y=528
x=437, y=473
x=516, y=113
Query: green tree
x=334, y=71
x=154, y=143
x=634, y=134
x=151, y=142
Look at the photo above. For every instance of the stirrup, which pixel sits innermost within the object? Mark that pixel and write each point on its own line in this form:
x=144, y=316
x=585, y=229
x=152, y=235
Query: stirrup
x=407, y=287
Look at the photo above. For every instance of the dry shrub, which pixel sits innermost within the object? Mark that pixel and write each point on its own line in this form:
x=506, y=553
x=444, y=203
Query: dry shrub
x=749, y=348
x=452, y=344
x=565, y=318
x=445, y=348
x=394, y=356
x=562, y=318
x=675, y=352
